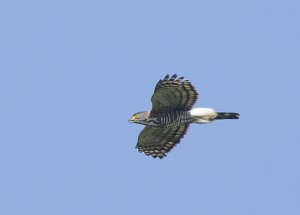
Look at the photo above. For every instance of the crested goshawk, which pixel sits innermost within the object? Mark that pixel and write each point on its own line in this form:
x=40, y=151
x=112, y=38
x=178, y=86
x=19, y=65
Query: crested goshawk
x=171, y=116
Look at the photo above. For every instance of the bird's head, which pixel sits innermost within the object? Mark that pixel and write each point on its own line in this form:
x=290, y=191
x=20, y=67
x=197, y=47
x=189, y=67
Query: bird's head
x=140, y=118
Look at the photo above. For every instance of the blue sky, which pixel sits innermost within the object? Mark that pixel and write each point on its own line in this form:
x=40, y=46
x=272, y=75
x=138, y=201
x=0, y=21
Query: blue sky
x=73, y=72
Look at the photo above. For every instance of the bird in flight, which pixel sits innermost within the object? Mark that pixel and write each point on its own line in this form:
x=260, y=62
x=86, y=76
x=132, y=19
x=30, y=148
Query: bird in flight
x=171, y=115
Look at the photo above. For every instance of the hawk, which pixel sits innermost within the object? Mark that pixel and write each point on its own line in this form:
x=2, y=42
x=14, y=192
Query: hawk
x=171, y=116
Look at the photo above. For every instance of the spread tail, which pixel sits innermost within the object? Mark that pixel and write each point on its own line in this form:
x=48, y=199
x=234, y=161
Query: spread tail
x=225, y=115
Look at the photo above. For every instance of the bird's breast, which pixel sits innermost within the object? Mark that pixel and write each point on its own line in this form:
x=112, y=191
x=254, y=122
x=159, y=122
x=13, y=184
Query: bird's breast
x=174, y=118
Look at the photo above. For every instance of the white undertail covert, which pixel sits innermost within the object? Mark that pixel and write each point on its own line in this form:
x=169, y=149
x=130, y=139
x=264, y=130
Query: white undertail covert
x=203, y=115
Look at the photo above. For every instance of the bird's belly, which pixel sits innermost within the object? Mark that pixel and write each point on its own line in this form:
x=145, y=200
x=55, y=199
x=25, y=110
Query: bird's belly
x=175, y=118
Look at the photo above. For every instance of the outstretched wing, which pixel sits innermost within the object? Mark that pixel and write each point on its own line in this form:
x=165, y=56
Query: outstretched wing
x=173, y=93
x=158, y=141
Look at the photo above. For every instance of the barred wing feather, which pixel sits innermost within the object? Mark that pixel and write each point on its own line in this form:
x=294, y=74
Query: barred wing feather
x=158, y=141
x=173, y=93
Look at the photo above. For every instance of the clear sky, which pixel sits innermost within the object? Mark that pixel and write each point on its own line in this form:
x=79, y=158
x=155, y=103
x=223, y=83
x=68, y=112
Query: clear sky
x=73, y=72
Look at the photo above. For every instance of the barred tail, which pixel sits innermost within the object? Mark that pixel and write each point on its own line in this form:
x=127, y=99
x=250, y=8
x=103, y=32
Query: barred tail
x=225, y=115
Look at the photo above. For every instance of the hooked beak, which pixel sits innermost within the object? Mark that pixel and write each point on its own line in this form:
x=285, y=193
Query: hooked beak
x=132, y=119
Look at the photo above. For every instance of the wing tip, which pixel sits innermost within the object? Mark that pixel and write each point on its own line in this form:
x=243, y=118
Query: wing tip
x=153, y=153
